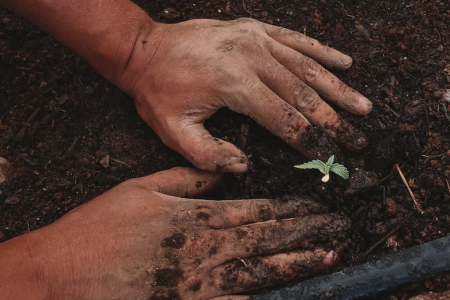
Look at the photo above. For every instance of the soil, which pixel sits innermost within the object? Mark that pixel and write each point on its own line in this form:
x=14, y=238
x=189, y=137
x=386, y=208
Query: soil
x=69, y=135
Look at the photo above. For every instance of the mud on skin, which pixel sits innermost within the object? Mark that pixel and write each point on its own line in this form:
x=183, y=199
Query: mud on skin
x=289, y=207
x=351, y=138
x=257, y=272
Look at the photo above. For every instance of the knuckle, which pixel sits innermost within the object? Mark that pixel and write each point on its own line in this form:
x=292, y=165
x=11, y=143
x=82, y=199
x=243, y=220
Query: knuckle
x=297, y=37
x=246, y=20
x=305, y=97
x=312, y=71
x=343, y=91
x=199, y=160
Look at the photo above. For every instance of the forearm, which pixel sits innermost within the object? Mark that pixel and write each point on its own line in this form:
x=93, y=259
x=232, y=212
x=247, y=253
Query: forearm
x=39, y=265
x=20, y=274
x=103, y=32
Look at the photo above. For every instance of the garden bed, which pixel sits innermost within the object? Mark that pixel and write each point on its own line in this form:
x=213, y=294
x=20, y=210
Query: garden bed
x=59, y=119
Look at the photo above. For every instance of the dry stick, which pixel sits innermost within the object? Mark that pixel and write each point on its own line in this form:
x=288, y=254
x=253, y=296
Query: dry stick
x=120, y=162
x=409, y=189
x=448, y=186
x=385, y=237
x=245, y=8
x=434, y=156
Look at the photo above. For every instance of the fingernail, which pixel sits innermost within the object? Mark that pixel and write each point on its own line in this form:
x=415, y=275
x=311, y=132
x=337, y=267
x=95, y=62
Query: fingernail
x=347, y=61
x=236, y=165
x=366, y=105
x=330, y=258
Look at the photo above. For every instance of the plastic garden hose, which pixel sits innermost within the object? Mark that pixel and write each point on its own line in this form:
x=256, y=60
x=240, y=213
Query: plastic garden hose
x=408, y=265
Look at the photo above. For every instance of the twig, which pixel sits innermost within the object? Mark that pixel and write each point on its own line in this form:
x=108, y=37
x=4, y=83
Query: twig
x=445, y=111
x=448, y=186
x=31, y=161
x=437, y=31
x=245, y=8
x=434, y=156
x=385, y=237
x=120, y=162
x=74, y=143
x=409, y=189
x=395, y=114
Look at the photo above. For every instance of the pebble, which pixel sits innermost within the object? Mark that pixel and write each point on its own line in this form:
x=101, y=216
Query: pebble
x=365, y=34
x=438, y=94
x=12, y=200
x=170, y=14
x=4, y=163
x=391, y=207
x=446, y=96
x=105, y=161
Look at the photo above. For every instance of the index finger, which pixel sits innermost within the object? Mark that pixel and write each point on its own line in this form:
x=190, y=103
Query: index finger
x=310, y=47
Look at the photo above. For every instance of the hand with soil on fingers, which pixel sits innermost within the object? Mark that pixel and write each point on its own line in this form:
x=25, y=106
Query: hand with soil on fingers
x=140, y=240
x=181, y=74
x=266, y=72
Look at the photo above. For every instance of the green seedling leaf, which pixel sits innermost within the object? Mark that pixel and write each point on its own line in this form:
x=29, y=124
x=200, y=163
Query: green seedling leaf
x=325, y=168
x=339, y=170
x=314, y=164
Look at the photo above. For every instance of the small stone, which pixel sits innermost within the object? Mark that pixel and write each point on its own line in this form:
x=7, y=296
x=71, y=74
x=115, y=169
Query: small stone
x=438, y=94
x=446, y=173
x=264, y=14
x=361, y=180
x=305, y=8
x=31, y=79
x=317, y=21
x=391, y=243
x=440, y=48
x=448, y=153
x=170, y=14
x=446, y=96
x=4, y=164
x=391, y=207
x=12, y=200
x=365, y=34
x=105, y=161
x=405, y=128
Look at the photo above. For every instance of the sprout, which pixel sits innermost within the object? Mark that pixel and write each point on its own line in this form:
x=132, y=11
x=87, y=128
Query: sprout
x=325, y=168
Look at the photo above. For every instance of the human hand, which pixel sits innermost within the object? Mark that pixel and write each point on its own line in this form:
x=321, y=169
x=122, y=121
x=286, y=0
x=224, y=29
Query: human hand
x=141, y=241
x=181, y=74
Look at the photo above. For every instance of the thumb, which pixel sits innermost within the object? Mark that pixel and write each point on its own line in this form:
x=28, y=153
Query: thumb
x=204, y=151
x=181, y=182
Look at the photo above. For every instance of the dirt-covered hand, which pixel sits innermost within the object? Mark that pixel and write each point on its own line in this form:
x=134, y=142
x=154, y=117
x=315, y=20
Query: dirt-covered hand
x=181, y=74
x=141, y=241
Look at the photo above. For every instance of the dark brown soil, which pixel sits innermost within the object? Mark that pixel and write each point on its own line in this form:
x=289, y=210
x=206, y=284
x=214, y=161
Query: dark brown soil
x=59, y=119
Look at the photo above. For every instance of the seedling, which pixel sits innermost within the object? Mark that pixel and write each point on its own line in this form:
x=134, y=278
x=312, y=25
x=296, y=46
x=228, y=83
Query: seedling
x=325, y=168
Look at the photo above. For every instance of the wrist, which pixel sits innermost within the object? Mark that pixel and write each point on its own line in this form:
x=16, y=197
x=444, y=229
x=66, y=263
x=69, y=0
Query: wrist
x=115, y=56
x=138, y=57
